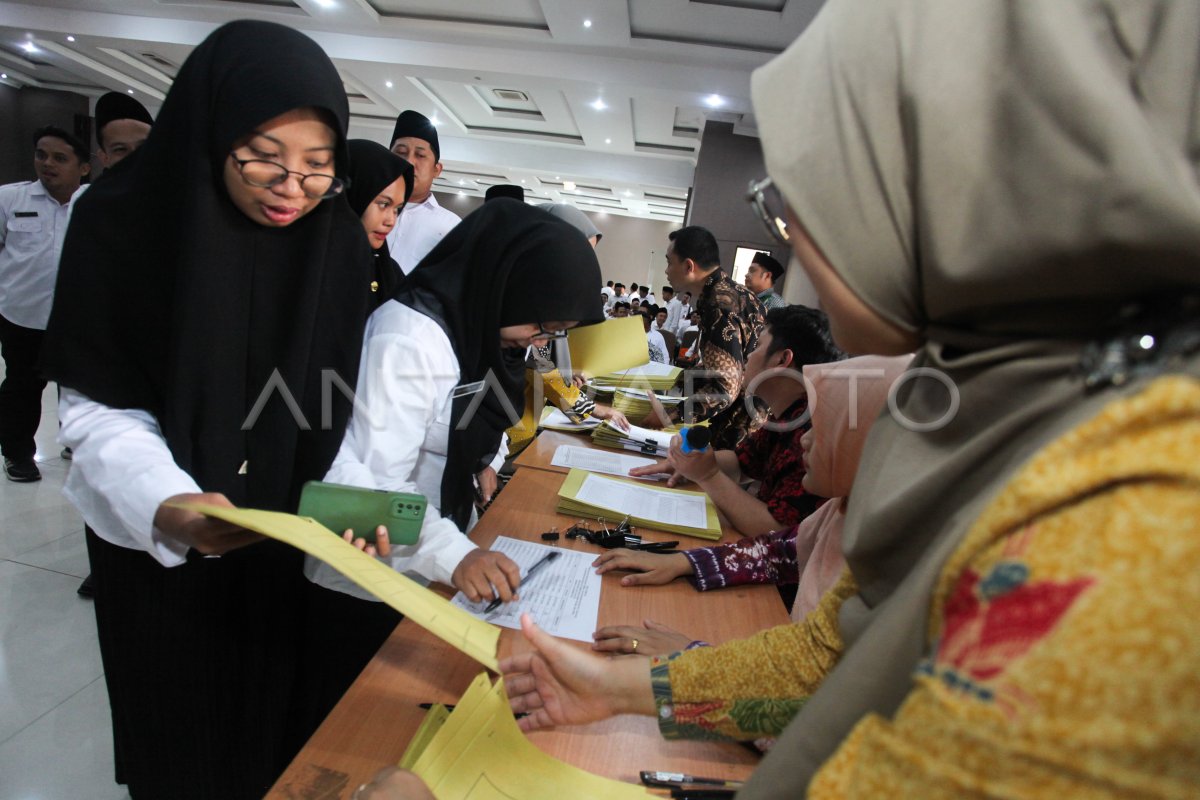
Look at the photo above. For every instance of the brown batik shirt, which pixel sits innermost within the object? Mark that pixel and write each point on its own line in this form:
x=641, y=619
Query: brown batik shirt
x=731, y=318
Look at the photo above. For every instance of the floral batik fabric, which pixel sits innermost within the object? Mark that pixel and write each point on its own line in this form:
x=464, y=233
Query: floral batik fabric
x=1064, y=652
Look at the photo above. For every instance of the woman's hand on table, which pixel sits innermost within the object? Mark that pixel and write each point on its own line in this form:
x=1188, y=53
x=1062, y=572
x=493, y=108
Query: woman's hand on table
x=393, y=783
x=559, y=684
x=652, y=639
x=613, y=416
x=663, y=467
x=650, y=569
x=206, y=535
x=382, y=546
x=482, y=574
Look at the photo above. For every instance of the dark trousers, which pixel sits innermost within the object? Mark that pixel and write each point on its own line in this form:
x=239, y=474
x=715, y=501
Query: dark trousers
x=21, y=392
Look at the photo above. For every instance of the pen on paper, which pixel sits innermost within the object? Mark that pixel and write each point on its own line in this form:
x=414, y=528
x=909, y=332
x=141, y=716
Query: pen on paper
x=543, y=561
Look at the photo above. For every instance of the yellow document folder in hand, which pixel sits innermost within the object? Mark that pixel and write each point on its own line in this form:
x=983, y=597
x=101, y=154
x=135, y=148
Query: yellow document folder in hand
x=479, y=753
x=431, y=611
x=610, y=346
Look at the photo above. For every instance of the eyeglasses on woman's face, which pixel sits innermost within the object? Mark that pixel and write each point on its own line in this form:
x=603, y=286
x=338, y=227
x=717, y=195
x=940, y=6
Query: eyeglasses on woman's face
x=768, y=205
x=265, y=174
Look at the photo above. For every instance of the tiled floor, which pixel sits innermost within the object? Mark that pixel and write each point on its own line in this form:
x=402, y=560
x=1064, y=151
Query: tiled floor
x=55, y=739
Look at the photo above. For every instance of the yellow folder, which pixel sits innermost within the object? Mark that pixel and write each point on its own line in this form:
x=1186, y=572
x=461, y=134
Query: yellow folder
x=643, y=501
x=430, y=610
x=479, y=752
x=610, y=346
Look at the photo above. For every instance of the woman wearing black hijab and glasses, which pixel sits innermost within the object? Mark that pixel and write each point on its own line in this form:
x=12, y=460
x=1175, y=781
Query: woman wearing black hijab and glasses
x=185, y=336
x=380, y=184
x=443, y=376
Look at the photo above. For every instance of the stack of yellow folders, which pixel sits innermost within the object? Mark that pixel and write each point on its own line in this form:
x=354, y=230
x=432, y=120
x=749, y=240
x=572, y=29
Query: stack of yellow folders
x=477, y=750
x=640, y=440
x=651, y=375
x=635, y=403
x=592, y=496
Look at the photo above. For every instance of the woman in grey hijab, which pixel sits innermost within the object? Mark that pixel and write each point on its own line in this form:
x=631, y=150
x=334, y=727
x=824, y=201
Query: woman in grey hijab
x=1011, y=190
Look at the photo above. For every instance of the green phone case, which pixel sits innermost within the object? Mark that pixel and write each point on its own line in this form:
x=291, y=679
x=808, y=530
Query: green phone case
x=339, y=507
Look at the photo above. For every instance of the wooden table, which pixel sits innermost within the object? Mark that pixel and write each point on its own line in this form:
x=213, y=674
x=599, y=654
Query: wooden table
x=374, y=721
x=538, y=453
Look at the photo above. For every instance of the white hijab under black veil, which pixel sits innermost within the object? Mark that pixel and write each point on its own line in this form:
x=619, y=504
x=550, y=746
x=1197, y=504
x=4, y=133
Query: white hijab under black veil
x=507, y=263
x=170, y=299
x=1002, y=178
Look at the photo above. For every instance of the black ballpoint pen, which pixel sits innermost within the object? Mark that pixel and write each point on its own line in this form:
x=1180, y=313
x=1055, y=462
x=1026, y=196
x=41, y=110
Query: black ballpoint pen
x=546, y=559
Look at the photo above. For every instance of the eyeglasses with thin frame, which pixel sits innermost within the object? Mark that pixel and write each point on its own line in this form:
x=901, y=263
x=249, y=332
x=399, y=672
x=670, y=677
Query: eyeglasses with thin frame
x=767, y=203
x=265, y=174
x=545, y=335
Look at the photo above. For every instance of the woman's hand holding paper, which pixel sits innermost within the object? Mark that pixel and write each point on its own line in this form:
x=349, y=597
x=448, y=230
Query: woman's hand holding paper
x=211, y=537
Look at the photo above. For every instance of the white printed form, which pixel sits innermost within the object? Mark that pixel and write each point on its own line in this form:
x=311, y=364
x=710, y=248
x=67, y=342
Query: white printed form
x=598, y=460
x=563, y=596
x=652, y=504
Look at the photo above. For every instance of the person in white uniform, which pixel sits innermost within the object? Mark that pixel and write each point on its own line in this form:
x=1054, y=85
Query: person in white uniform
x=33, y=222
x=424, y=222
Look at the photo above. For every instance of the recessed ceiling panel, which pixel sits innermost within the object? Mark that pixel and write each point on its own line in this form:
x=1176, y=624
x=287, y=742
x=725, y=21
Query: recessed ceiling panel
x=506, y=13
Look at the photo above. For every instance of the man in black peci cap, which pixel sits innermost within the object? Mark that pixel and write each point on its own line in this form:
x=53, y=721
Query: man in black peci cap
x=424, y=222
x=122, y=125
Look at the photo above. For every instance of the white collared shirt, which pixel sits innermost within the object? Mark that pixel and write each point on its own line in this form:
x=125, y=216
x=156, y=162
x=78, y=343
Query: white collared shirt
x=398, y=438
x=418, y=230
x=674, y=313
x=32, y=227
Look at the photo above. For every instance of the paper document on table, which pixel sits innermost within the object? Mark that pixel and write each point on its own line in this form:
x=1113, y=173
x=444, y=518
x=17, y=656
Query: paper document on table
x=481, y=754
x=599, y=460
x=429, y=610
x=563, y=596
x=556, y=420
x=655, y=505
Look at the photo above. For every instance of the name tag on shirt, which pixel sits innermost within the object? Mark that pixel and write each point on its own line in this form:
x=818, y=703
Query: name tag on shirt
x=467, y=389
x=25, y=214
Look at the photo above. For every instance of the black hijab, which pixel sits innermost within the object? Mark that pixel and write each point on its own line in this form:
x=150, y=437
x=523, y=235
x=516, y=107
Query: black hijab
x=507, y=263
x=373, y=168
x=169, y=299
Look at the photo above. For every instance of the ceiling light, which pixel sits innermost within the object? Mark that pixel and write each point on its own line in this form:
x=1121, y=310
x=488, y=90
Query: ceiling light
x=388, y=84
x=569, y=185
x=587, y=23
x=714, y=101
x=557, y=178
x=599, y=104
x=461, y=193
x=326, y=3
x=70, y=38
x=434, y=119
x=522, y=180
x=628, y=193
x=608, y=141
x=4, y=75
x=129, y=90
x=29, y=47
x=461, y=182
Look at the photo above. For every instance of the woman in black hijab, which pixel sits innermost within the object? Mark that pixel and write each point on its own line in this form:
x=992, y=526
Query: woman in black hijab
x=185, y=337
x=443, y=376
x=380, y=184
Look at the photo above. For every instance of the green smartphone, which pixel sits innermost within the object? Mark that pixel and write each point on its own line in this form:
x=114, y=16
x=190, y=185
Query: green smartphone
x=339, y=507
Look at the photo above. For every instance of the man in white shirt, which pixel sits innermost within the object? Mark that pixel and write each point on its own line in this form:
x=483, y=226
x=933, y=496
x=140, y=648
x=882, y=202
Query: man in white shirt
x=647, y=295
x=685, y=312
x=674, y=310
x=423, y=223
x=33, y=222
x=609, y=293
x=655, y=343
